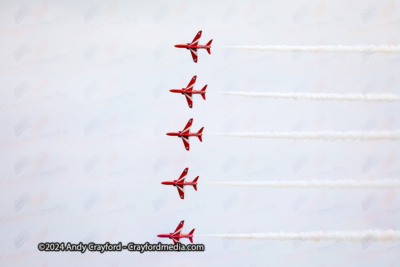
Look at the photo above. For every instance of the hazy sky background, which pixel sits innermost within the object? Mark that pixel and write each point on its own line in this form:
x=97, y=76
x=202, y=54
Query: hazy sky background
x=85, y=105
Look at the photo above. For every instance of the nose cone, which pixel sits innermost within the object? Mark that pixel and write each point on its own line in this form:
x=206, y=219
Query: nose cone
x=176, y=45
x=169, y=134
x=158, y=235
x=163, y=182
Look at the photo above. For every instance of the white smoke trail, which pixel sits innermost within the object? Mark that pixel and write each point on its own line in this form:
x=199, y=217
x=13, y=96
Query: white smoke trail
x=321, y=96
x=356, y=236
x=323, y=48
x=379, y=184
x=327, y=136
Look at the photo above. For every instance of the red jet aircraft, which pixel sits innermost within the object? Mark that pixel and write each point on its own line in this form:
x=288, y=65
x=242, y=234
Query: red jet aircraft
x=180, y=183
x=188, y=91
x=175, y=236
x=194, y=45
x=185, y=134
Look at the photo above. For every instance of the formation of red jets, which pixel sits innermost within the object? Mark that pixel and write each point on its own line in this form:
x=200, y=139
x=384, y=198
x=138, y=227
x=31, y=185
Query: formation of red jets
x=185, y=134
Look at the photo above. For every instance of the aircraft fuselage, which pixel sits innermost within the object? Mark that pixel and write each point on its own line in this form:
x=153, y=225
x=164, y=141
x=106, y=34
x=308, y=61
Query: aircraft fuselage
x=171, y=235
x=179, y=134
x=188, y=46
x=175, y=183
x=183, y=91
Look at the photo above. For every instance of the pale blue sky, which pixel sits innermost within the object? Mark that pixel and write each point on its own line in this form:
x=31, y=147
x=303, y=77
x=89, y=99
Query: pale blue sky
x=85, y=106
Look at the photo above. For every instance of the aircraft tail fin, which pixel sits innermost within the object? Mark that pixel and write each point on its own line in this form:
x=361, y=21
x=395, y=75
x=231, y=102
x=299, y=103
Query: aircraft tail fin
x=208, y=44
x=203, y=92
x=200, y=132
x=191, y=238
x=195, y=183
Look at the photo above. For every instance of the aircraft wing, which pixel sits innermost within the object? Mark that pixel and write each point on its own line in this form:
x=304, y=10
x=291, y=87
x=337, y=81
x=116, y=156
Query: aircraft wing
x=196, y=39
x=191, y=83
x=183, y=175
x=189, y=99
x=186, y=143
x=175, y=239
x=178, y=229
x=181, y=191
x=193, y=51
x=187, y=127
